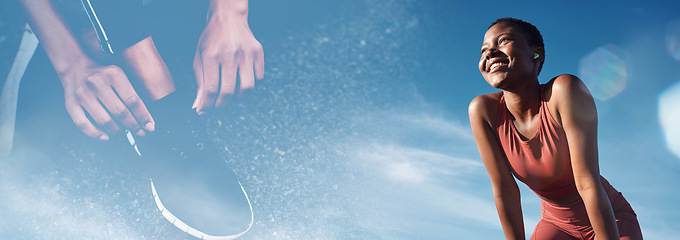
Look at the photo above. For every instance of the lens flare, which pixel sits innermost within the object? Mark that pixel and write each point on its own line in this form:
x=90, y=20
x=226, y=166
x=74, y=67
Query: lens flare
x=669, y=113
x=673, y=39
x=604, y=72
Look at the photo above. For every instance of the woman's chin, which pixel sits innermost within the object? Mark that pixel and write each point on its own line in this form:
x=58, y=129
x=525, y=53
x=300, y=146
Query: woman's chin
x=495, y=82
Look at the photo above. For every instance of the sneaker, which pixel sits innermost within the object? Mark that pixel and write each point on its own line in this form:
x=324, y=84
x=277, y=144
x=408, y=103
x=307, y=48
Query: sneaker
x=192, y=185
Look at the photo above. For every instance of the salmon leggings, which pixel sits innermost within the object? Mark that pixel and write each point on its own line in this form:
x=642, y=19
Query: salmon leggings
x=561, y=222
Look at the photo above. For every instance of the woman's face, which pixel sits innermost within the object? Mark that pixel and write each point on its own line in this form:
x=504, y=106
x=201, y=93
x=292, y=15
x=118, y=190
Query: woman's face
x=507, y=57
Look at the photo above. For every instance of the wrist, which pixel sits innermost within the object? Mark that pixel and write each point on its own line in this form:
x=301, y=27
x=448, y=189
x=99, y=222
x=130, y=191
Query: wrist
x=224, y=10
x=72, y=63
x=68, y=69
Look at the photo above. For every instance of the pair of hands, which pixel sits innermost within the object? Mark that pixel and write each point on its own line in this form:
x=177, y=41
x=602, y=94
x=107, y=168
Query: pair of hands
x=226, y=47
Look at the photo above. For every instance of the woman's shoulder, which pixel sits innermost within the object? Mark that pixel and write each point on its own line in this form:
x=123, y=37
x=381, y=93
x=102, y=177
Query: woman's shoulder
x=565, y=85
x=567, y=94
x=485, y=106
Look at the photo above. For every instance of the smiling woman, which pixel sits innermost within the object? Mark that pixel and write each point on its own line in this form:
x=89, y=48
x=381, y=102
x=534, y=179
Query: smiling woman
x=546, y=136
x=505, y=43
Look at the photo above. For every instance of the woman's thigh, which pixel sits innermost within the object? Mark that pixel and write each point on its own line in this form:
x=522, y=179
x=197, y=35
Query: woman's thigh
x=547, y=230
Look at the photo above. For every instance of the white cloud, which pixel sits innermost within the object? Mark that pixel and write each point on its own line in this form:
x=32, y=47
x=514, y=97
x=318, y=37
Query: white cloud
x=411, y=183
x=417, y=166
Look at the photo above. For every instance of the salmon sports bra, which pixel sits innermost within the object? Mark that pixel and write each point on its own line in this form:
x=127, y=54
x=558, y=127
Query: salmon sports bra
x=541, y=161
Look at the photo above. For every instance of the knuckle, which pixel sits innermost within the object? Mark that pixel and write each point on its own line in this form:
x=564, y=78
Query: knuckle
x=112, y=69
x=233, y=51
x=256, y=48
x=92, y=79
x=225, y=94
x=105, y=121
x=228, y=90
x=118, y=112
x=212, y=89
x=210, y=52
x=228, y=52
x=78, y=96
x=111, y=73
x=132, y=101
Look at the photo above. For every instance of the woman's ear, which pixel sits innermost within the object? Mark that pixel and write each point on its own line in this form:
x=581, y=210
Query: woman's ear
x=539, y=54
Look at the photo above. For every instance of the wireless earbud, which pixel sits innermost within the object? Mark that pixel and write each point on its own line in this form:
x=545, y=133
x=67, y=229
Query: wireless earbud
x=536, y=55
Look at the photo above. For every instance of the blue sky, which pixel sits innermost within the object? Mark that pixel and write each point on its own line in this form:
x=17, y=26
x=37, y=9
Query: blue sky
x=360, y=128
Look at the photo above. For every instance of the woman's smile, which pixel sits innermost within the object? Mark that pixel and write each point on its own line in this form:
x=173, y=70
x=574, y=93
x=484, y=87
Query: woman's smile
x=497, y=64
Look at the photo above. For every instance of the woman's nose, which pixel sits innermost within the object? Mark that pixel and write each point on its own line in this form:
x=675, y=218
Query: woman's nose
x=491, y=52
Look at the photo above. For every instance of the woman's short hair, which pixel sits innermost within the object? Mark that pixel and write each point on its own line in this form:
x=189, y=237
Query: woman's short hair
x=530, y=31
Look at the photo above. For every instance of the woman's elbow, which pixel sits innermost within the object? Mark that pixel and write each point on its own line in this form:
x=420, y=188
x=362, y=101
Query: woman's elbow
x=587, y=185
x=506, y=192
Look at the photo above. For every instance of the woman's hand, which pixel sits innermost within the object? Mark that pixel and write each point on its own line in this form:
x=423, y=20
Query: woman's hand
x=226, y=48
x=106, y=95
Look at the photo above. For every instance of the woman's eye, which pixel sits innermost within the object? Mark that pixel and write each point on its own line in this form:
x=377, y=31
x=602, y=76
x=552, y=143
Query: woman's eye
x=501, y=40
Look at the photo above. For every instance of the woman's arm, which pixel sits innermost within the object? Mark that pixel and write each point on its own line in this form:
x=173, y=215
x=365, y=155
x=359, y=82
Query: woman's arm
x=102, y=92
x=505, y=191
x=578, y=115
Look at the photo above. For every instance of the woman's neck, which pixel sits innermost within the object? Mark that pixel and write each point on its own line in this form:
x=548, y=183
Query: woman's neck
x=523, y=102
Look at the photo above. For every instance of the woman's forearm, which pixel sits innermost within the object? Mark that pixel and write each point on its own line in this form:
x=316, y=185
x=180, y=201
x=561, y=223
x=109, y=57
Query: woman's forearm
x=509, y=209
x=599, y=211
x=59, y=43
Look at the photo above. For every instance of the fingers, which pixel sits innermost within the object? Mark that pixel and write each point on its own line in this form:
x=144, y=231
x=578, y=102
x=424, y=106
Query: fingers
x=258, y=61
x=245, y=72
x=251, y=67
x=122, y=113
x=198, y=72
x=209, y=69
x=228, y=82
x=109, y=99
x=209, y=87
x=117, y=95
x=126, y=107
x=228, y=59
x=80, y=119
x=99, y=114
